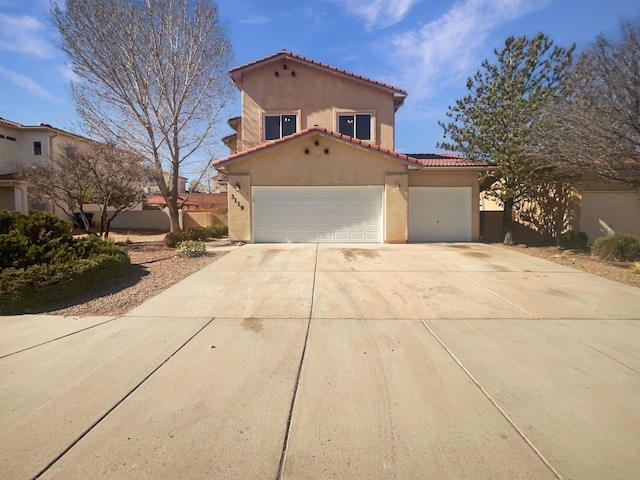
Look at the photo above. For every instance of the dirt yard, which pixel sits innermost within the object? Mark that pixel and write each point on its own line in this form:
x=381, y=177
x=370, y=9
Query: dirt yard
x=623, y=272
x=155, y=268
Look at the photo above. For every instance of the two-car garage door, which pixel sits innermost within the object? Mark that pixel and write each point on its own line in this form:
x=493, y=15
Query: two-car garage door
x=317, y=214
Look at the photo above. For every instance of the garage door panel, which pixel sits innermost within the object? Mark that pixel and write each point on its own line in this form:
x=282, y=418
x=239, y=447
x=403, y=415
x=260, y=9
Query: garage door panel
x=317, y=214
x=440, y=214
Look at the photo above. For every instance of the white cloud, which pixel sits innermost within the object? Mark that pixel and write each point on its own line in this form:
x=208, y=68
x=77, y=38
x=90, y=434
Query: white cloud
x=378, y=13
x=26, y=34
x=452, y=46
x=254, y=20
x=26, y=83
x=68, y=73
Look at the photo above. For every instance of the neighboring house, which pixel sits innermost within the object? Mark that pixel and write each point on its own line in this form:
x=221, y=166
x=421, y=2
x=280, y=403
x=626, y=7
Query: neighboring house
x=600, y=208
x=153, y=189
x=21, y=146
x=313, y=160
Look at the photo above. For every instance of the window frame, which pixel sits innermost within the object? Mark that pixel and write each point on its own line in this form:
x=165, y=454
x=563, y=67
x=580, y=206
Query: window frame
x=354, y=114
x=37, y=148
x=280, y=114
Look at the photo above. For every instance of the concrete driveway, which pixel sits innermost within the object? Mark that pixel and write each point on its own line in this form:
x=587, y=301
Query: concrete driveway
x=335, y=361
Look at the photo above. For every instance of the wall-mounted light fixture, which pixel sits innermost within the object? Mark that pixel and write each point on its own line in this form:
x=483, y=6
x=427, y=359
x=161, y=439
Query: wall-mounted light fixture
x=237, y=186
x=397, y=185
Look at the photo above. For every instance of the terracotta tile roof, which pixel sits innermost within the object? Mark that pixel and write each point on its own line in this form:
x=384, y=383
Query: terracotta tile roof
x=446, y=160
x=443, y=160
x=287, y=53
x=42, y=125
x=66, y=132
x=9, y=122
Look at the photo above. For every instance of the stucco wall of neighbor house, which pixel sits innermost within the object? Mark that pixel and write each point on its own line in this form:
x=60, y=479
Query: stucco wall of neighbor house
x=7, y=201
x=316, y=96
x=342, y=165
x=451, y=178
x=9, y=150
x=618, y=209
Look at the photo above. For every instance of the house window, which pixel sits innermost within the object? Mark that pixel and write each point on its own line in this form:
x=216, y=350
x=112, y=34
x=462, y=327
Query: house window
x=11, y=139
x=37, y=148
x=278, y=126
x=356, y=125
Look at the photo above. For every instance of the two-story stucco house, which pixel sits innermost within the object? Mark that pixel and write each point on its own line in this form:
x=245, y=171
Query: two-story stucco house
x=21, y=146
x=313, y=160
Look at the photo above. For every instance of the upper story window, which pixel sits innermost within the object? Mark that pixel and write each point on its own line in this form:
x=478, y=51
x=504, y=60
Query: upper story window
x=278, y=126
x=37, y=148
x=357, y=125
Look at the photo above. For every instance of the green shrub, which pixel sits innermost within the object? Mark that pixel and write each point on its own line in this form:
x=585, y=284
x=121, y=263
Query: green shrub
x=40, y=263
x=620, y=246
x=172, y=239
x=218, y=231
x=191, y=248
x=30, y=290
x=573, y=240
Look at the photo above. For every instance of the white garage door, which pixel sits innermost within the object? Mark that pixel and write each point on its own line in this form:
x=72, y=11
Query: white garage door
x=440, y=214
x=317, y=214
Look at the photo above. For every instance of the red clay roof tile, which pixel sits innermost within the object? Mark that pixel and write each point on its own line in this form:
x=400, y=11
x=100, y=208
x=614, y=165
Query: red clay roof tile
x=428, y=160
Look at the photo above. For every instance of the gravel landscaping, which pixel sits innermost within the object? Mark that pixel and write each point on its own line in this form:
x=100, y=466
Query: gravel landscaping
x=155, y=268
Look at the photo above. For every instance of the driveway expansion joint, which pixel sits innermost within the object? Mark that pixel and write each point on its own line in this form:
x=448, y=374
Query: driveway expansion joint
x=504, y=414
x=119, y=402
x=60, y=337
x=285, y=442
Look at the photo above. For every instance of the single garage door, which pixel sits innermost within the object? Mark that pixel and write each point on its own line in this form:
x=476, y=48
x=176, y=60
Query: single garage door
x=440, y=214
x=317, y=214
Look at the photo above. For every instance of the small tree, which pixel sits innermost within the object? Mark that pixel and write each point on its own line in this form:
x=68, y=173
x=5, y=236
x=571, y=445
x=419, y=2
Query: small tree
x=153, y=76
x=91, y=174
x=594, y=131
x=118, y=178
x=493, y=122
x=66, y=180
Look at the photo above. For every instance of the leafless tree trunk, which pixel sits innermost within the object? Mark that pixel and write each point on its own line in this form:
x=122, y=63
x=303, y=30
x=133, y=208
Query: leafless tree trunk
x=153, y=78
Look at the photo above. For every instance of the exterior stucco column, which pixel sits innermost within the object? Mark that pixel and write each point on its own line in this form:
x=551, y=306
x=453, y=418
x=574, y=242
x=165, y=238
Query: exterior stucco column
x=20, y=198
x=239, y=193
x=396, y=195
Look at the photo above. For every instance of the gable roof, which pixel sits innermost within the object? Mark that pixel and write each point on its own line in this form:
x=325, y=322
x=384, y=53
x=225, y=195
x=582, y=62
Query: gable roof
x=42, y=126
x=236, y=72
x=430, y=160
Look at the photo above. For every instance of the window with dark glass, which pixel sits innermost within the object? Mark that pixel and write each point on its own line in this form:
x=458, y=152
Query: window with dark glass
x=278, y=126
x=37, y=148
x=355, y=125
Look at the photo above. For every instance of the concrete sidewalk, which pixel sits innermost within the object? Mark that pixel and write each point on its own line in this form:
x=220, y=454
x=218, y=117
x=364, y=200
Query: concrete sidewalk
x=337, y=361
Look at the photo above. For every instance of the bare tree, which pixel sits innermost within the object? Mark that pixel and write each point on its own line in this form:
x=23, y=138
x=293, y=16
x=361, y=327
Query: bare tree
x=65, y=180
x=594, y=131
x=98, y=174
x=153, y=77
x=119, y=178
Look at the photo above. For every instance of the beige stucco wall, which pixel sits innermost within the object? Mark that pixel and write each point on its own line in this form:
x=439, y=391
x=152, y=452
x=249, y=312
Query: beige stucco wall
x=618, y=209
x=452, y=178
x=342, y=165
x=7, y=201
x=9, y=150
x=316, y=95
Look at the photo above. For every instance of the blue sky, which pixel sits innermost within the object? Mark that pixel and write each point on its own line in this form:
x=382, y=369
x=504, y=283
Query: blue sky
x=427, y=47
